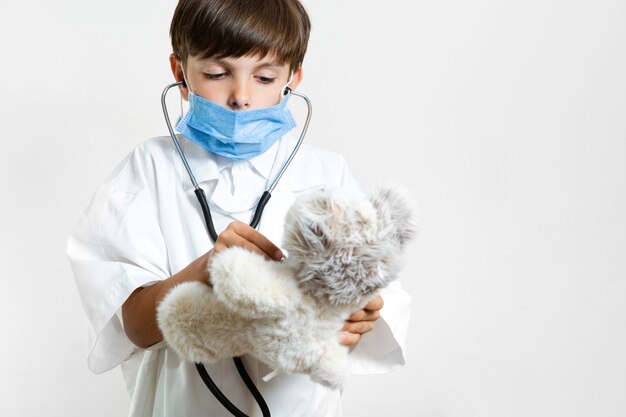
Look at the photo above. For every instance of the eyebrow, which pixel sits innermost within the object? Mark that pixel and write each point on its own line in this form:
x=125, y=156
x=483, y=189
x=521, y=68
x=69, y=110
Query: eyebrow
x=266, y=64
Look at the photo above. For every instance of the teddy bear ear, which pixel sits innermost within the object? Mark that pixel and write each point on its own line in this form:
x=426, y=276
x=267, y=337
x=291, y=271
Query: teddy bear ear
x=398, y=216
x=305, y=220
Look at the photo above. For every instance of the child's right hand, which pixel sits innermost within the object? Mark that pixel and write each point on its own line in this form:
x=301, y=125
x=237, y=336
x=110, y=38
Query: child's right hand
x=241, y=234
x=139, y=310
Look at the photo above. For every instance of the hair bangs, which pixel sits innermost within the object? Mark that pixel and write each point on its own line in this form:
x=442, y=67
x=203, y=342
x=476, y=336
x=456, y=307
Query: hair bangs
x=276, y=28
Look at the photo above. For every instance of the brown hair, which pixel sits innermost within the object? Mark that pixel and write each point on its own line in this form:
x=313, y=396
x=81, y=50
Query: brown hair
x=236, y=28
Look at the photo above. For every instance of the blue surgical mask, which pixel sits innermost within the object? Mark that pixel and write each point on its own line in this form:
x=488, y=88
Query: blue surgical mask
x=235, y=134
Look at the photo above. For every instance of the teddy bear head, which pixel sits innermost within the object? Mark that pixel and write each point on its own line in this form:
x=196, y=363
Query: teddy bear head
x=344, y=249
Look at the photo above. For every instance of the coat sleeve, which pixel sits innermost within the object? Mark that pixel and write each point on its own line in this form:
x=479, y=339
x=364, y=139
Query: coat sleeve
x=115, y=248
x=384, y=348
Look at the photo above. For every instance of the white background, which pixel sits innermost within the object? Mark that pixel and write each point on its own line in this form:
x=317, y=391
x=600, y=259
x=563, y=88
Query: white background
x=507, y=119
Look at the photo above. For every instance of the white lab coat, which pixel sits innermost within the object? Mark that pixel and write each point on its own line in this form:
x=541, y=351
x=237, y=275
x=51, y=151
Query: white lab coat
x=144, y=224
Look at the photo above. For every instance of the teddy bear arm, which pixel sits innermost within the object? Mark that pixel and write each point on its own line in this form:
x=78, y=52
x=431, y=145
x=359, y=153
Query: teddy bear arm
x=330, y=370
x=252, y=286
x=186, y=318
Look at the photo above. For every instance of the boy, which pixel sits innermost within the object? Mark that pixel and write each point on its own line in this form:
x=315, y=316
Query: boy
x=143, y=233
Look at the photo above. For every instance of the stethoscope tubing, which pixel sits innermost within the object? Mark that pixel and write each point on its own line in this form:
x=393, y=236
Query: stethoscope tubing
x=206, y=213
x=173, y=135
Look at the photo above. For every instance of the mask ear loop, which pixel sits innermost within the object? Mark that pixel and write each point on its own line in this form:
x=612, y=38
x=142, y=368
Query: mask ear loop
x=184, y=84
x=285, y=90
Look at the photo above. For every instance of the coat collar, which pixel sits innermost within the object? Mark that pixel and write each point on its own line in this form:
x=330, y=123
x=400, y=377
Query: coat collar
x=206, y=166
x=302, y=174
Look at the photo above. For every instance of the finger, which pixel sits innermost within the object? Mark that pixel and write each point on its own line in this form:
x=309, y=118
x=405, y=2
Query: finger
x=360, y=327
x=238, y=232
x=252, y=235
x=349, y=339
x=363, y=315
x=238, y=241
x=376, y=304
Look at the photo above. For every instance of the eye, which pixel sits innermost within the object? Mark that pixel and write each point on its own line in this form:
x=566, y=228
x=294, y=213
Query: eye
x=215, y=76
x=265, y=80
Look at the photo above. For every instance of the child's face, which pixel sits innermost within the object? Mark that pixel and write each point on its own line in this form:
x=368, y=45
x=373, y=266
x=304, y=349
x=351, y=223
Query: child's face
x=243, y=83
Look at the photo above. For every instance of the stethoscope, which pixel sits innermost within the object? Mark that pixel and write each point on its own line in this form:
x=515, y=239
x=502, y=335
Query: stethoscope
x=206, y=212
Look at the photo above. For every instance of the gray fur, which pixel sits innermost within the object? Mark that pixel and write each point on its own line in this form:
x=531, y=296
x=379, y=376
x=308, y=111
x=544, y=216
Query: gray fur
x=343, y=249
x=288, y=314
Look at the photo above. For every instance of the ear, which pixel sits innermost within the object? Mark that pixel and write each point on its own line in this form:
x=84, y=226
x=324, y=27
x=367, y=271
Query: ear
x=398, y=216
x=297, y=78
x=177, y=70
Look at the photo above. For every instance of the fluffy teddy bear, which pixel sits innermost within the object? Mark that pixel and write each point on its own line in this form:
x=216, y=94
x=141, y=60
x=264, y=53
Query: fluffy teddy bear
x=288, y=314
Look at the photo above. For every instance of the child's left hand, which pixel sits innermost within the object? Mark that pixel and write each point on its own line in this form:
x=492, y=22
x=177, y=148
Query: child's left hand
x=360, y=322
